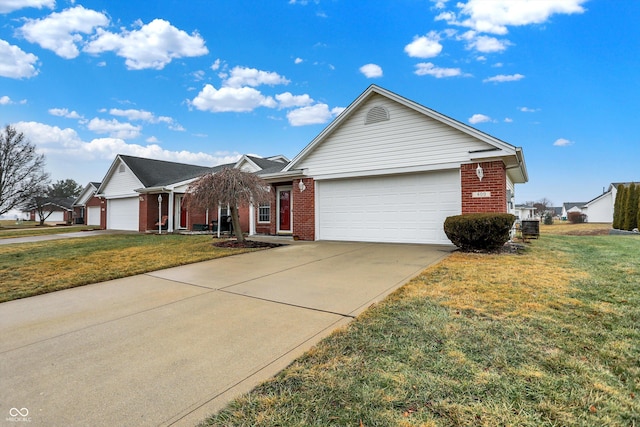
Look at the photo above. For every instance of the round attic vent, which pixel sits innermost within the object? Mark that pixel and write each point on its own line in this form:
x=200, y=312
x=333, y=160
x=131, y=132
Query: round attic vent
x=376, y=114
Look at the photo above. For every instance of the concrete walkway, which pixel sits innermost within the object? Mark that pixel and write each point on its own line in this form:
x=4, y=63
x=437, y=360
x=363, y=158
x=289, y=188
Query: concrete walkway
x=173, y=346
x=72, y=235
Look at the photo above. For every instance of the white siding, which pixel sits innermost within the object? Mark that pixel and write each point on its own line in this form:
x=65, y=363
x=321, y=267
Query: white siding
x=408, y=208
x=121, y=183
x=407, y=139
x=601, y=209
x=56, y=216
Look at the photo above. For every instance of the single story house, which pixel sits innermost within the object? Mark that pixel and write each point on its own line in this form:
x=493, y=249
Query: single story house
x=57, y=211
x=86, y=207
x=568, y=207
x=600, y=209
x=389, y=169
x=525, y=212
x=137, y=193
x=386, y=169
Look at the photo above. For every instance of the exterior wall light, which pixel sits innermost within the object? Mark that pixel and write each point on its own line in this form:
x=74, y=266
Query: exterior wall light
x=479, y=172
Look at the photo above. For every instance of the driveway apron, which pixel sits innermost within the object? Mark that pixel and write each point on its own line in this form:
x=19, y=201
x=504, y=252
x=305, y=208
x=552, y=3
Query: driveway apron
x=173, y=346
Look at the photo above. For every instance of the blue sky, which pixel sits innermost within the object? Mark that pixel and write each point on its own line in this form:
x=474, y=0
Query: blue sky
x=204, y=81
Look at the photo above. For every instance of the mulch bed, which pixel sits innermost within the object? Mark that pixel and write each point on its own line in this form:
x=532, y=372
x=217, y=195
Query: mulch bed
x=246, y=244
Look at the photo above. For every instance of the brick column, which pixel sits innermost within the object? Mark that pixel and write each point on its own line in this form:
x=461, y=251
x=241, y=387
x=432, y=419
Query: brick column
x=488, y=194
x=304, y=211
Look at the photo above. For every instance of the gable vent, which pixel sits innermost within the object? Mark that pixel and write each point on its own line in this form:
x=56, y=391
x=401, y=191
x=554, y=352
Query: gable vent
x=376, y=114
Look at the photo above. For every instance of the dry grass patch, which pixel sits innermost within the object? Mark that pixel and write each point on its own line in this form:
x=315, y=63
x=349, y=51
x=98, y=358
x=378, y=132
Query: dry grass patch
x=568, y=229
x=500, y=285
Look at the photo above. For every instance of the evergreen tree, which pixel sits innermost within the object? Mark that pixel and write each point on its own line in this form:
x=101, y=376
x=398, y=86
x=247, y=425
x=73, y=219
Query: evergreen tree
x=618, y=208
x=633, y=206
x=629, y=211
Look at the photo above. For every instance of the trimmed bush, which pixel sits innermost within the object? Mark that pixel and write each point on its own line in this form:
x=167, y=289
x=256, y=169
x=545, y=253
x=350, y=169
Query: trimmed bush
x=481, y=231
x=618, y=208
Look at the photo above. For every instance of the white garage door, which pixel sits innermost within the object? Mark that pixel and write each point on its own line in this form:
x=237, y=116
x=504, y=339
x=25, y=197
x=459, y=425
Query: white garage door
x=56, y=216
x=122, y=214
x=93, y=215
x=400, y=208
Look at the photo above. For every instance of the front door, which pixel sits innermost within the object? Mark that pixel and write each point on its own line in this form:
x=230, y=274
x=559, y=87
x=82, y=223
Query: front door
x=284, y=210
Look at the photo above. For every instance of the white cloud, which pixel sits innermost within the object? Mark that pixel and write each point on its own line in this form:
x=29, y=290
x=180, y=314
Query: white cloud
x=61, y=32
x=114, y=128
x=487, y=44
x=428, y=69
x=44, y=136
x=496, y=15
x=15, y=63
x=500, y=78
x=298, y=61
x=528, y=110
x=371, y=71
x=5, y=100
x=153, y=45
x=243, y=76
x=64, y=112
x=508, y=120
x=424, y=47
x=287, y=100
x=133, y=114
x=479, y=118
x=561, y=142
x=7, y=6
x=312, y=115
x=225, y=99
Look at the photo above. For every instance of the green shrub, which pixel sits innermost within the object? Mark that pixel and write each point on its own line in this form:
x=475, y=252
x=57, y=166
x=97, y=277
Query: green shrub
x=548, y=218
x=482, y=231
x=618, y=208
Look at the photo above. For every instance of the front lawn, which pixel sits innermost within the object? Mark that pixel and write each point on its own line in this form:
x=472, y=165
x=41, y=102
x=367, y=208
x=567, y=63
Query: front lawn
x=12, y=228
x=29, y=269
x=550, y=337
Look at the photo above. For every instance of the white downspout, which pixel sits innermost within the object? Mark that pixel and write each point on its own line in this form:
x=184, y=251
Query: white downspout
x=171, y=210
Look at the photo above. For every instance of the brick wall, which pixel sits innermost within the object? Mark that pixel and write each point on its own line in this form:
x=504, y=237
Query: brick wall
x=103, y=214
x=271, y=226
x=304, y=221
x=494, y=182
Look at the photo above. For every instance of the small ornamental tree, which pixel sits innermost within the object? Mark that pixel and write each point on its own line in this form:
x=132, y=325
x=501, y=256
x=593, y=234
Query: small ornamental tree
x=231, y=187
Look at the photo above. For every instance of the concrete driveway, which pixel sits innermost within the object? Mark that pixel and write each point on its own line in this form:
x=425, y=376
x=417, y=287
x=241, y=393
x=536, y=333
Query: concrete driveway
x=173, y=346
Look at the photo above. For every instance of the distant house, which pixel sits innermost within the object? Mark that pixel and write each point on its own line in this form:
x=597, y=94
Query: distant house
x=87, y=206
x=56, y=210
x=525, y=212
x=569, y=207
x=600, y=209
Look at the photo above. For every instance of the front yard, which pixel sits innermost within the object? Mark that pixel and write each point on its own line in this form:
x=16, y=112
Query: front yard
x=29, y=269
x=551, y=337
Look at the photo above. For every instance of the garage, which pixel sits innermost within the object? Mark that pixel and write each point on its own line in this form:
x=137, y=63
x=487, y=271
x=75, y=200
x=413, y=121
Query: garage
x=407, y=208
x=122, y=214
x=55, y=216
x=93, y=215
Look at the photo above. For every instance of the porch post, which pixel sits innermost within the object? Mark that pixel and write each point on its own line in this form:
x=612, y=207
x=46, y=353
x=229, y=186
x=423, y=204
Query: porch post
x=171, y=209
x=252, y=220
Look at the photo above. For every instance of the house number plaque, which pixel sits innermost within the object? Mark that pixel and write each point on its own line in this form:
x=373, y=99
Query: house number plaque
x=481, y=194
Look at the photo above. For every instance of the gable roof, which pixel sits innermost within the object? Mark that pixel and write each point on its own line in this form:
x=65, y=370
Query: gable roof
x=156, y=173
x=90, y=188
x=570, y=205
x=514, y=162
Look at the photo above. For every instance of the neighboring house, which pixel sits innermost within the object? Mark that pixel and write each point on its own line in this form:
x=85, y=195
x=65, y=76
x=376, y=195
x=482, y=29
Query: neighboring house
x=385, y=170
x=87, y=206
x=569, y=207
x=56, y=210
x=525, y=212
x=136, y=193
x=390, y=170
x=600, y=209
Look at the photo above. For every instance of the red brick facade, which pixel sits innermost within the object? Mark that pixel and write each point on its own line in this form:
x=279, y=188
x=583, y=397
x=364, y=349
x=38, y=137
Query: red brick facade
x=488, y=194
x=304, y=219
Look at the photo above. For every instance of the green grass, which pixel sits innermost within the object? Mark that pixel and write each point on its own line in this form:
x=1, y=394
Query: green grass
x=29, y=269
x=548, y=338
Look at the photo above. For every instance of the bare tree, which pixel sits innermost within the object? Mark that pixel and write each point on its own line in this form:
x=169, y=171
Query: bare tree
x=231, y=187
x=21, y=170
x=542, y=206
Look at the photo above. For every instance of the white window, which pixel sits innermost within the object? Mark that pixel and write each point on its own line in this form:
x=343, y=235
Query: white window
x=264, y=213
